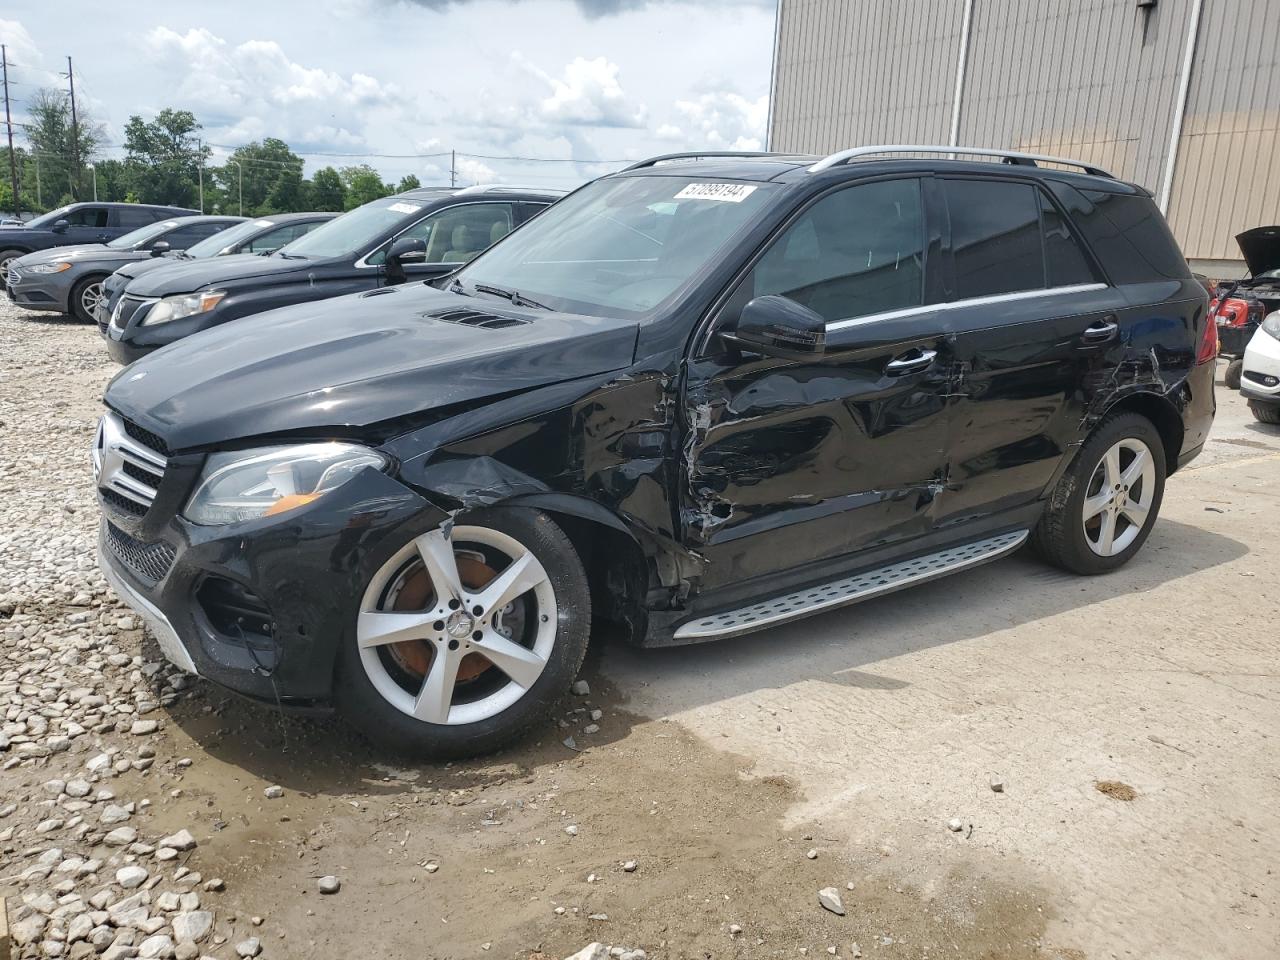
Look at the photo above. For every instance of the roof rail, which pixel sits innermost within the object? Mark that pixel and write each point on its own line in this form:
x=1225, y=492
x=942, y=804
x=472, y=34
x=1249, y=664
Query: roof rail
x=1008, y=156
x=497, y=187
x=702, y=155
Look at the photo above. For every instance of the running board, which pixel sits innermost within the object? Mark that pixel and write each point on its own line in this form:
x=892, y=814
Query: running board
x=859, y=587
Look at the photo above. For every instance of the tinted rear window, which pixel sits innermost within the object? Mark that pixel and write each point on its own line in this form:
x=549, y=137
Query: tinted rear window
x=1127, y=233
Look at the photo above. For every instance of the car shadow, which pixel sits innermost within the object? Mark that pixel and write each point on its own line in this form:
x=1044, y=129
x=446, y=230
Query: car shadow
x=46, y=318
x=843, y=646
x=322, y=755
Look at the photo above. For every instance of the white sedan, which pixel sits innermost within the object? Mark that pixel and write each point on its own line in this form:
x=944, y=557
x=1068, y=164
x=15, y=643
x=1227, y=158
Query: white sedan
x=1260, y=378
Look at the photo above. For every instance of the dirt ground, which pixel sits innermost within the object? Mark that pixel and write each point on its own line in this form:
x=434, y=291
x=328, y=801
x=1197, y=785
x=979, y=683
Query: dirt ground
x=1132, y=720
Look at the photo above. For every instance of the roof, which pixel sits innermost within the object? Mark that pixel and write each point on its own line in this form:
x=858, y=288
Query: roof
x=508, y=190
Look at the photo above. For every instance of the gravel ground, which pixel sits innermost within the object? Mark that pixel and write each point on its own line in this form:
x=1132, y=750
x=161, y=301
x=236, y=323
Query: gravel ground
x=143, y=814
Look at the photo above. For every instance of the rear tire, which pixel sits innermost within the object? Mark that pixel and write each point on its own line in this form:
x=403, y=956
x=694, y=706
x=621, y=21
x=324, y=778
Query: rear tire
x=1232, y=375
x=431, y=692
x=1104, y=506
x=84, y=295
x=1265, y=412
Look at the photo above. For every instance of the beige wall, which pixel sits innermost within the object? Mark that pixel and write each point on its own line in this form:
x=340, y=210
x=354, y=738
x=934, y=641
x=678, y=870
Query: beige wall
x=1080, y=78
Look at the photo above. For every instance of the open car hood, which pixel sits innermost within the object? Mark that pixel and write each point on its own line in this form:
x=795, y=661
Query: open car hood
x=357, y=360
x=1261, y=249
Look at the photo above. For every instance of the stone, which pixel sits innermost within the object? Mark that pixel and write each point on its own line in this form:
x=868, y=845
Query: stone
x=812, y=854
x=592, y=951
x=630, y=866
x=131, y=876
x=141, y=728
x=571, y=829
x=580, y=688
x=829, y=897
x=997, y=785
x=182, y=840
x=28, y=929
x=120, y=837
x=78, y=787
x=273, y=792
x=955, y=824
x=596, y=714
x=330, y=884
x=113, y=813
x=734, y=929
x=156, y=947
x=249, y=948
x=193, y=926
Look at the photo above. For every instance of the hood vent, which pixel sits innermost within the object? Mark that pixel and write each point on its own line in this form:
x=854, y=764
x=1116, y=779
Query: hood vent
x=477, y=318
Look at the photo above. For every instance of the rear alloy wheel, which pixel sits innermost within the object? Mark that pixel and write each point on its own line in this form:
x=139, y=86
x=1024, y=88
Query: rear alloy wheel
x=465, y=639
x=1103, y=508
x=85, y=297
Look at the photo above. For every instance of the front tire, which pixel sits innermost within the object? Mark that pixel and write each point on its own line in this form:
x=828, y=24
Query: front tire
x=1231, y=378
x=1265, y=412
x=6, y=258
x=466, y=642
x=1104, y=507
x=84, y=299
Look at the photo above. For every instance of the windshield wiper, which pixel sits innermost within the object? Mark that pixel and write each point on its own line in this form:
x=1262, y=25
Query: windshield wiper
x=513, y=295
x=289, y=256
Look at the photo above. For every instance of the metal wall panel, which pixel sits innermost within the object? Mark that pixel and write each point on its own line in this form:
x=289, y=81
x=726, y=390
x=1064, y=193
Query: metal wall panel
x=1092, y=79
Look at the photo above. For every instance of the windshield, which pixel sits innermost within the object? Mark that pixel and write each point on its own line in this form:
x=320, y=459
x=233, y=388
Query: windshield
x=212, y=246
x=141, y=235
x=1269, y=275
x=355, y=231
x=619, y=246
x=50, y=218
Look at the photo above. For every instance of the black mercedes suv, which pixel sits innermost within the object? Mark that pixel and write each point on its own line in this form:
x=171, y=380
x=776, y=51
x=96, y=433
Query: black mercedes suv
x=419, y=234
x=703, y=396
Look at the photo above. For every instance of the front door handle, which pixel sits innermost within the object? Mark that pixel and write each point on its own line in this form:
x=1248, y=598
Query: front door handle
x=910, y=362
x=1100, y=332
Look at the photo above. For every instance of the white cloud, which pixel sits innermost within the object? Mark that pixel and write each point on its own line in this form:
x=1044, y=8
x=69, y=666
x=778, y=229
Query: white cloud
x=471, y=170
x=722, y=119
x=589, y=94
x=250, y=90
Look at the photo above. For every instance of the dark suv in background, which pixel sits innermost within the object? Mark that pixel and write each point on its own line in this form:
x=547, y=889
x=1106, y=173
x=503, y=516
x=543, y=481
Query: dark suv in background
x=696, y=398
x=418, y=234
x=79, y=223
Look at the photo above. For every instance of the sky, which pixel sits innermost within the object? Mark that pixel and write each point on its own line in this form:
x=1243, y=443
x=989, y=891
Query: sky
x=587, y=80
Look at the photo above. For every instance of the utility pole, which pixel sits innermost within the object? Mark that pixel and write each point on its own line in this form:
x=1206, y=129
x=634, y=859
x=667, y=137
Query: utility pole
x=8, y=119
x=75, y=134
x=200, y=149
x=453, y=168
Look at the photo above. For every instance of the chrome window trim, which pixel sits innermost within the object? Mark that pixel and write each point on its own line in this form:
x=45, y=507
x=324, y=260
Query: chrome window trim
x=362, y=263
x=970, y=302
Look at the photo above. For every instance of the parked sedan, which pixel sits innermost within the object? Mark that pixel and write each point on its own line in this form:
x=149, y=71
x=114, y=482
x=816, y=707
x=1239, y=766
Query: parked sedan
x=261, y=236
x=69, y=280
x=415, y=235
x=78, y=223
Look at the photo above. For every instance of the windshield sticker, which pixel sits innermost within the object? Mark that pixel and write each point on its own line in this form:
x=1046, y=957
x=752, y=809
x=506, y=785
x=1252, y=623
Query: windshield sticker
x=726, y=192
x=404, y=207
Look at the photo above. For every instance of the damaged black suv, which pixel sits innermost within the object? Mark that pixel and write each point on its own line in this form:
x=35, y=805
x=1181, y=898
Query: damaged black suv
x=703, y=396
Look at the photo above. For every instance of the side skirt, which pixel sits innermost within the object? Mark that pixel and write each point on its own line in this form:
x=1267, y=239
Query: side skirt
x=852, y=589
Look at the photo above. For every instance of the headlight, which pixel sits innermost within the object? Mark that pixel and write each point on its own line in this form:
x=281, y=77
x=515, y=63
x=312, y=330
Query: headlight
x=246, y=484
x=1272, y=325
x=48, y=267
x=183, y=305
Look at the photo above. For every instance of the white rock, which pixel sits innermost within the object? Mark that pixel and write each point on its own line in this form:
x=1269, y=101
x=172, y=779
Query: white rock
x=829, y=897
x=193, y=926
x=157, y=947
x=273, y=792
x=580, y=688
x=249, y=948
x=131, y=876
x=955, y=824
x=113, y=813
x=592, y=951
x=120, y=837
x=182, y=840
x=330, y=884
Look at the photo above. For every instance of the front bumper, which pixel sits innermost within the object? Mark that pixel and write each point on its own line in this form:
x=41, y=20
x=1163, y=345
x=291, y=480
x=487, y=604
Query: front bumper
x=122, y=351
x=1260, y=376
x=294, y=581
x=37, y=292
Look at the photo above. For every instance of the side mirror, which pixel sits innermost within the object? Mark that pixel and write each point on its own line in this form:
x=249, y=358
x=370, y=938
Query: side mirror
x=160, y=248
x=60, y=226
x=779, y=327
x=406, y=248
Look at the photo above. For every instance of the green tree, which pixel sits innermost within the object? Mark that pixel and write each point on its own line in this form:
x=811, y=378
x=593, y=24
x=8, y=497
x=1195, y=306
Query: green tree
x=164, y=156
x=258, y=167
x=289, y=194
x=328, y=192
x=408, y=182
x=59, y=145
x=363, y=184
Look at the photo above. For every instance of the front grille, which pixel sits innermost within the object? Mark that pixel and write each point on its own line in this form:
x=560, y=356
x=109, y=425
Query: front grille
x=477, y=318
x=151, y=561
x=128, y=464
x=125, y=307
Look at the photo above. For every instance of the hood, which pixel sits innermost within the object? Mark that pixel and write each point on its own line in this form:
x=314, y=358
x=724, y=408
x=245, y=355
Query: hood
x=357, y=360
x=97, y=252
x=185, y=276
x=1261, y=249
x=139, y=267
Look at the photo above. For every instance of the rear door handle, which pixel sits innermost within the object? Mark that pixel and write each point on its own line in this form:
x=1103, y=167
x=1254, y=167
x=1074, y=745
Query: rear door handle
x=910, y=362
x=1100, y=332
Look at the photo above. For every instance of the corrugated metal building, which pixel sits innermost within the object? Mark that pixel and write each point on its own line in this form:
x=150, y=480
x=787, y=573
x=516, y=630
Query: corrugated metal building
x=1181, y=96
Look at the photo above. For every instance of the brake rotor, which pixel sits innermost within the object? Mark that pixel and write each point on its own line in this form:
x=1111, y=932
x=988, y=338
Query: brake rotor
x=416, y=593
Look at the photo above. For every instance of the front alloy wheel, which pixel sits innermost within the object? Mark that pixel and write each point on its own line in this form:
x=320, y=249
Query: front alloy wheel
x=85, y=298
x=465, y=638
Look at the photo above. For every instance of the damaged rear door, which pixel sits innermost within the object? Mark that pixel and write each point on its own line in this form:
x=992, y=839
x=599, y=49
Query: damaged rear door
x=803, y=460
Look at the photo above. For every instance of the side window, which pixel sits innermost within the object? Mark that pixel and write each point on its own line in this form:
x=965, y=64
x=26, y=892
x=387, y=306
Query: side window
x=855, y=252
x=131, y=218
x=187, y=236
x=1065, y=262
x=90, y=217
x=1129, y=236
x=995, y=237
x=458, y=234
x=275, y=239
